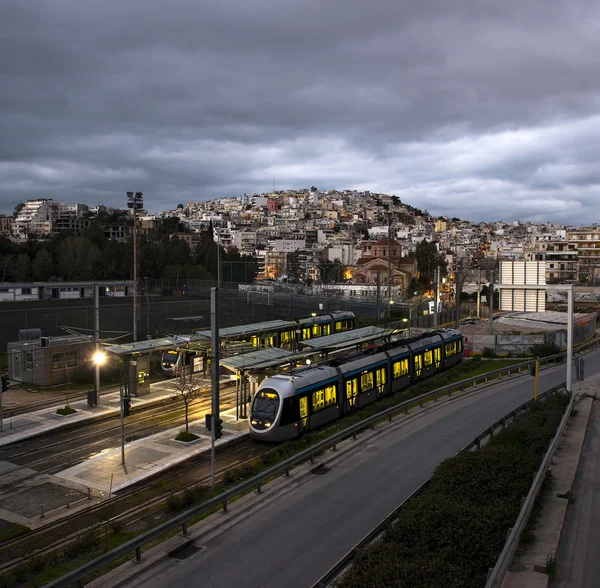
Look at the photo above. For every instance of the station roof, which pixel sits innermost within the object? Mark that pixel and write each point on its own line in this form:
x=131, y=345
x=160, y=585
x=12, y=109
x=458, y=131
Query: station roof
x=250, y=329
x=153, y=344
x=246, y=361
x=347, y=338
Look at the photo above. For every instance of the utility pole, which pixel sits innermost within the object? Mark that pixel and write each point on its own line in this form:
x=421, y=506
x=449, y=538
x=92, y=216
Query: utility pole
x=390, y=264
x=479, y=295
x=378, y=297
x=96, y=343
x=214, y=336
x=491, y=295
x=135, y=202
x=218, y=259
x=458, y=284
x=436, y=291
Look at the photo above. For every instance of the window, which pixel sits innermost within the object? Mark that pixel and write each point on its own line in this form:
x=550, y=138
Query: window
x=25, y=290
x=29, y=360
x=437, y=356
x=323, y=398
x=304, y=410
x=316, y=330
x=450, y=349
x=341, y=326
x=327, y=329
x=366, y=381
x=306, y=333
x=68, y=359
x=428, y=357
x=400, y=368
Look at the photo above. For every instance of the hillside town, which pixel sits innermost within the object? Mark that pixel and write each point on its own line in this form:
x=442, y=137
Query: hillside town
x=345, y=240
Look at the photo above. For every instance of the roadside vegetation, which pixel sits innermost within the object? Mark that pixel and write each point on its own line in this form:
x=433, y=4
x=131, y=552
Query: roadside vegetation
x=457, y=526
x=38, y=570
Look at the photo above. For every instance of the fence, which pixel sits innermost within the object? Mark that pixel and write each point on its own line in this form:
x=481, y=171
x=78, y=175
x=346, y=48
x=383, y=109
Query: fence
x=256, y=482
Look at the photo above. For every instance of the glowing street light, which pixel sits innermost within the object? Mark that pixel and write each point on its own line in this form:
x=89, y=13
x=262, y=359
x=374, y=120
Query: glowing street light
x=99, y=358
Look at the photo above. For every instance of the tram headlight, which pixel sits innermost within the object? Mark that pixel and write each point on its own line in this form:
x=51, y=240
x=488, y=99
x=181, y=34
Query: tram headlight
x=253, y=421
x=267, y=425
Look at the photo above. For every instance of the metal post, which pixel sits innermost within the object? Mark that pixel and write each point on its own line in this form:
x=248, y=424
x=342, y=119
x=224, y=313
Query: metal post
x=390, y=265
x=97, y=342
x=218, y=259
x=537, y=373
x=214, y=332
x=378, y=297
x=479, y=295
x=569, y=337
x=135, y=301
x=491, y=295
x=123, y=384
x=436, y=289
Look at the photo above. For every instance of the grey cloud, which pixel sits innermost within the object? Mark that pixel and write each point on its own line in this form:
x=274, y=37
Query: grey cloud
x=468, y=108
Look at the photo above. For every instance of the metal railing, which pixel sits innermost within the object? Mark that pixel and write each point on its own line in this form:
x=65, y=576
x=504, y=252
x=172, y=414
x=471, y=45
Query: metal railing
x=496, y=575
x=256, y=482
x=346, y=560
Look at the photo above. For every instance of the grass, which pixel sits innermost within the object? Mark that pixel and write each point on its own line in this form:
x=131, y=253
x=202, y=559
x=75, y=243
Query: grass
x=186, y=437
x=67, y=410
x=10, y=530
x=52, y=567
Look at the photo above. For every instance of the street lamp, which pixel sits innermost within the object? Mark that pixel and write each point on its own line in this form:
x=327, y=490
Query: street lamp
x=136, y=203
x=99, y=358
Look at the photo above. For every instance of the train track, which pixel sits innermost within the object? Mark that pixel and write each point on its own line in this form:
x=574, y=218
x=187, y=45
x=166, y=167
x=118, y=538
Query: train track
x=90, y=518
x=69, y=437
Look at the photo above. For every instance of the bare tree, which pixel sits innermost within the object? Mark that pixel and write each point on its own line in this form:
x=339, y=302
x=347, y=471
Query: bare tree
x=188, y=388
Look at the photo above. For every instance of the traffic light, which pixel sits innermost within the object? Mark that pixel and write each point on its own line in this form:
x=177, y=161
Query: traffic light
x=208, y=422
x=218, y=428
x=4, y=383
x=126, y=406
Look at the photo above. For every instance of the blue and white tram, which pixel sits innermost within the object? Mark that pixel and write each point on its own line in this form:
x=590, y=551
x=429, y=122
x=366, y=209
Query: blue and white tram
x=288, y=404
x=171, y=362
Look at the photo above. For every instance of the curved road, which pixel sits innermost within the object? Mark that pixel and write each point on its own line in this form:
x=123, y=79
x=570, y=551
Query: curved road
x=296, y=538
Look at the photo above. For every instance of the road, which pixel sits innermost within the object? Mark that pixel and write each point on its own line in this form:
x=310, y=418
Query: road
x=578, y=562
x=297, y=538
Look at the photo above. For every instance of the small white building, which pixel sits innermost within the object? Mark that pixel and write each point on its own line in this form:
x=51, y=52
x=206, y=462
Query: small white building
x=12, y=292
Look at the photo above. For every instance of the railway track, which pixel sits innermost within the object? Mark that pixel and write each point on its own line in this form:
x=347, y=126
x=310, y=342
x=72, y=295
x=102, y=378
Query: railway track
x=51, y=538
x=45, y=453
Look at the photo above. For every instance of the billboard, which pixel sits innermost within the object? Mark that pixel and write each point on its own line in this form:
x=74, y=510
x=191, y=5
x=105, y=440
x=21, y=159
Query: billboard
x=523, y=273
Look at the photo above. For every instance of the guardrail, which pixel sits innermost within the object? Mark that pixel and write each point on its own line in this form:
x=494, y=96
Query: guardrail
x=496, y=574
x=345, y=561
x=181, y=520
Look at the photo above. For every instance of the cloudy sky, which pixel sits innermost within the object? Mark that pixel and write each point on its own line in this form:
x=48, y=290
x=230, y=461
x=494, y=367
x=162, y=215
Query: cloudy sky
x=479, y=109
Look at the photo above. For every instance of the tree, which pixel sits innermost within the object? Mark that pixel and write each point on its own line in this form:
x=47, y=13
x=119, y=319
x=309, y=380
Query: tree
x=428, y=258
x=331, y=271
x=5, y=264
x=21, y=268
x=77, y=258
x=187, y=387
x=42, y=266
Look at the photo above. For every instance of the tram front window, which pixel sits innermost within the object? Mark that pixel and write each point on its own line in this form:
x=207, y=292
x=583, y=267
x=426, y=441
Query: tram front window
x=264, y=409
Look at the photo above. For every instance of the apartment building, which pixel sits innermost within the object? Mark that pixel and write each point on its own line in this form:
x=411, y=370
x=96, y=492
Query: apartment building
x=6, y=224
x=587, y=243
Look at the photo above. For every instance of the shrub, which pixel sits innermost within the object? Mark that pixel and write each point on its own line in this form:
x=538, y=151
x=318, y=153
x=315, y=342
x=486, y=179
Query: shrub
x=186, y=437
x=488, y=352
x=544, y=349
x=67, y=410
x=116, y=527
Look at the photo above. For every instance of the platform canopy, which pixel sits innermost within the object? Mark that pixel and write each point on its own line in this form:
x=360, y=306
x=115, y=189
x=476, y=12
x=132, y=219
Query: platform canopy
x=247, y=361
x=347, y=338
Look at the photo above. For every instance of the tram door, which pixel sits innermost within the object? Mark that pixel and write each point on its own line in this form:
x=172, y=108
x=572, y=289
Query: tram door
x=352, y=393
x=418, y=365
x=304, y=411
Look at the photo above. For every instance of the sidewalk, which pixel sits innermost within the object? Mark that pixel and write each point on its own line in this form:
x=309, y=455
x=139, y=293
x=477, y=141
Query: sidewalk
x=149, y=456
x=528, y=570
x=25, y=426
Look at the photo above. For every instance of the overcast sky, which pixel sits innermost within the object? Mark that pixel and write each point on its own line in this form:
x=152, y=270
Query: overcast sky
x=479, y=109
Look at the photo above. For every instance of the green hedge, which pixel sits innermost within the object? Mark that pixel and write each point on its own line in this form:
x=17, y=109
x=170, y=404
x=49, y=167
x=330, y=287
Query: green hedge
x=452, y=532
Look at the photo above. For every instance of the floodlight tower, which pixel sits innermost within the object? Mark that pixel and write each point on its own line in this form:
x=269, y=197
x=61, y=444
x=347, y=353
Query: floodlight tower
x=135, y=202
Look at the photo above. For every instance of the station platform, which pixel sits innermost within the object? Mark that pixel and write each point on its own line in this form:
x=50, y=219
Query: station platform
x=39, y=422
x=149, y=456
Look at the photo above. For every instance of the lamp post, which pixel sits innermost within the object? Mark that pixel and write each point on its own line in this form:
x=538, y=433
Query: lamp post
x=135, y=202
x=99, y=358
x=147, y=309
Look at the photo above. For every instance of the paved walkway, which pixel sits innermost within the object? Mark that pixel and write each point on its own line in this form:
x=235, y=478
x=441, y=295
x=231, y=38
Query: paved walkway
x=529, y=568
x=41, y=421
x=149, y=456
